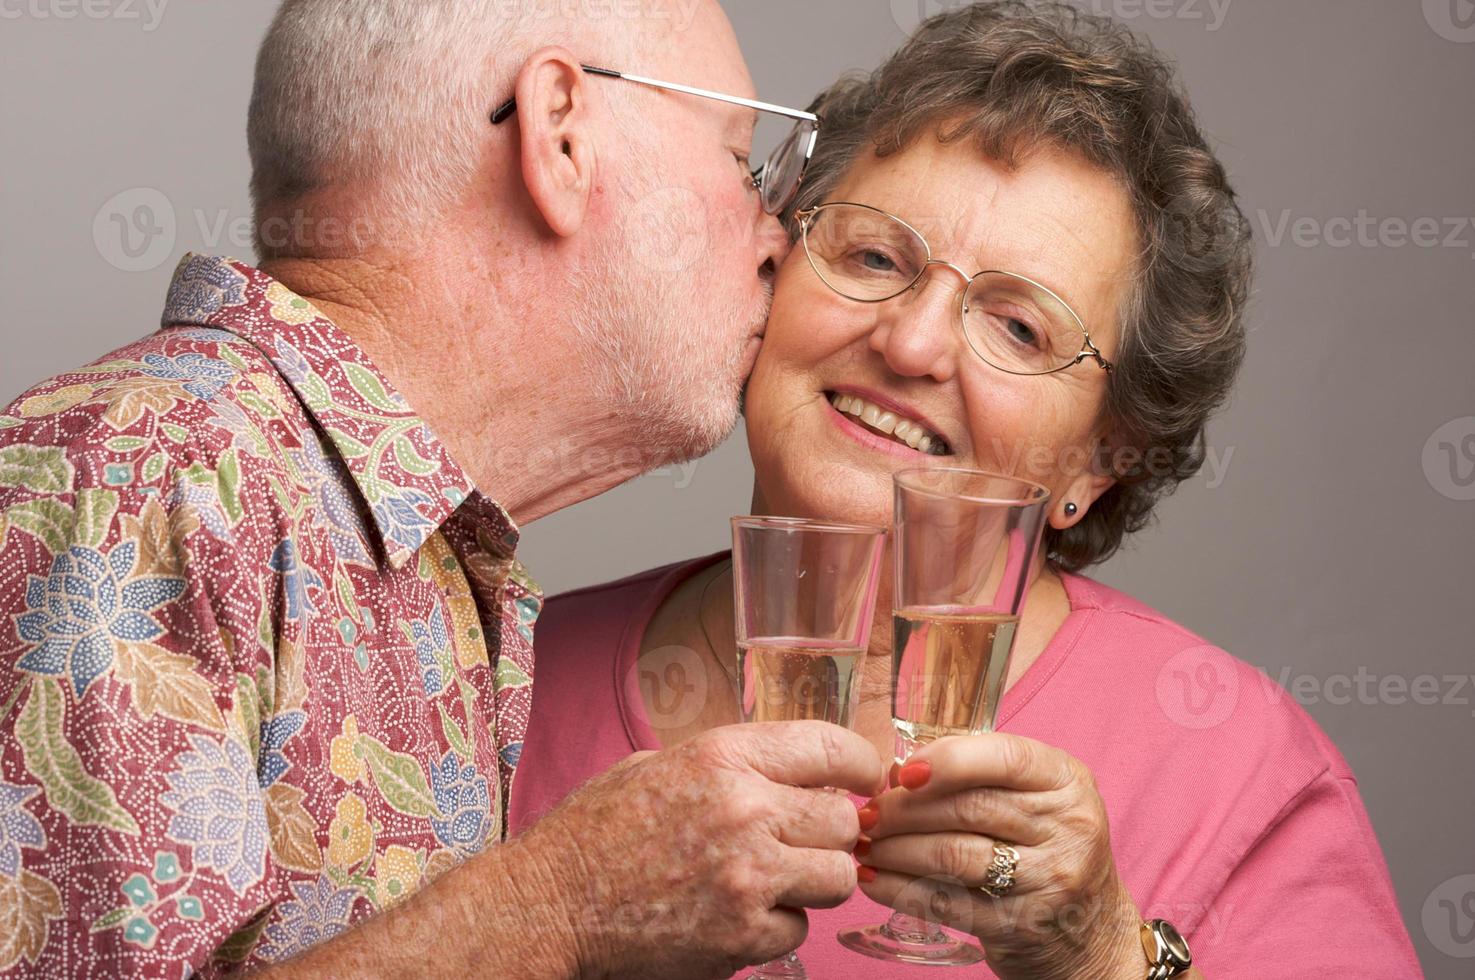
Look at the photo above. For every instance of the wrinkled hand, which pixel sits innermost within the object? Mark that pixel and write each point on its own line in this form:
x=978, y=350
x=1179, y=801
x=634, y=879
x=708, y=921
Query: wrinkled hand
x=698, y=860
x=931, y=840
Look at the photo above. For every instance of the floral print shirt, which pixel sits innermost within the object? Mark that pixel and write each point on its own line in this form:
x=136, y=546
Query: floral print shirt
x=265, y=652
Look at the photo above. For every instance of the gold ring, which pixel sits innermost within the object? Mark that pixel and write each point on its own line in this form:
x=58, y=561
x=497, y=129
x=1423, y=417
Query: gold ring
x=999, y=877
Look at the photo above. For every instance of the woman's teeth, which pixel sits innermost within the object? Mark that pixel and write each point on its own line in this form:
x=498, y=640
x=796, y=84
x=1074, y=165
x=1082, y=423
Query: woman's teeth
x=879, y=420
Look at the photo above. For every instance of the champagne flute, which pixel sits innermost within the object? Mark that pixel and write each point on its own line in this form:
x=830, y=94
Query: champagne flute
x=965, y=543
x=805, y=597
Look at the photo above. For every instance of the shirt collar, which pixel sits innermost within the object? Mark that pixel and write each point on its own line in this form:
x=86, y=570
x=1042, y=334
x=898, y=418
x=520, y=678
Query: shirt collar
x=404, y=473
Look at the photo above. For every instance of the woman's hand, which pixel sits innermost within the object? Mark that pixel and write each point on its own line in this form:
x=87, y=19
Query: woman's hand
x=930, y=841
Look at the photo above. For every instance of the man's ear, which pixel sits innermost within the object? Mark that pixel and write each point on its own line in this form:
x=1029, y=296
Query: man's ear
x=557, y=148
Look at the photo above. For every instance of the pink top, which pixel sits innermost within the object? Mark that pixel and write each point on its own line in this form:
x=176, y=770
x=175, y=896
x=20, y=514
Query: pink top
x=1232, y=814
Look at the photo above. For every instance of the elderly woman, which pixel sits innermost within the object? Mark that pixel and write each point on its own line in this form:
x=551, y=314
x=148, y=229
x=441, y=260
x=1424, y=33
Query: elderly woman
x=1138, y=772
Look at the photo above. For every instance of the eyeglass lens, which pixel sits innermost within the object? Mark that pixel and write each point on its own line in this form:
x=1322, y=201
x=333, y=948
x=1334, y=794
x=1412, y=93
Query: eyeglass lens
x=1010, y=322
x=781, y=174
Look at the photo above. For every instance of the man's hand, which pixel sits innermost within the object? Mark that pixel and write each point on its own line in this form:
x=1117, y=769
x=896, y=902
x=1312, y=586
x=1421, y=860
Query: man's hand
x=690, y=862
x=697, y=861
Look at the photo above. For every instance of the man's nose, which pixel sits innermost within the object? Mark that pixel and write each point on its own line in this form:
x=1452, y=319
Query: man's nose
x=773, y=245
x=917, y=332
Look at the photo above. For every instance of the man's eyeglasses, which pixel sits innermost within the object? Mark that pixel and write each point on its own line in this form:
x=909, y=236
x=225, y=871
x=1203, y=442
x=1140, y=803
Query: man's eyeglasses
x=778, y=180
x=1012, y=322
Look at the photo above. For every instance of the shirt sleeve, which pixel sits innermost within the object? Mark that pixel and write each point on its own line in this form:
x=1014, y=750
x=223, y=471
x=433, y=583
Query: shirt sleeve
x=1312, y=898
x=134, y=837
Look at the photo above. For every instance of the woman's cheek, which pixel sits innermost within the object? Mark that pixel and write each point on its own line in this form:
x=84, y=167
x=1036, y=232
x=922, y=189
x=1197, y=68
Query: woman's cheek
x=1008, y=426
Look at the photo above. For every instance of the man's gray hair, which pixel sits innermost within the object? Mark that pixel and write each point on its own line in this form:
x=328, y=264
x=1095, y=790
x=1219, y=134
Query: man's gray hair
x=389, y=97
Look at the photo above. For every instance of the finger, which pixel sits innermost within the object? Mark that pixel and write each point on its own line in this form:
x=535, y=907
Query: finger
x=1004, y=814
x=780, y=932
x=990, y=759
x=816, y=818
x=815, y=879
x=810, y=753
x=934, y=898
x=965, y=858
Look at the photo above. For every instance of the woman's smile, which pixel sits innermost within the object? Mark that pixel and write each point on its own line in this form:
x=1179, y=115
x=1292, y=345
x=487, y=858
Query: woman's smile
x=884, y=424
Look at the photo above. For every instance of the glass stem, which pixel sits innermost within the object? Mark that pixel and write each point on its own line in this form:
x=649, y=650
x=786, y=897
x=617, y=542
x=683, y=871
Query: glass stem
x=902, y=927
x=914, y=931
x=784, y=968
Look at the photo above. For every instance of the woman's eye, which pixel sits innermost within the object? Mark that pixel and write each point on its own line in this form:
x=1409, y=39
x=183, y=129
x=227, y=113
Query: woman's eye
x=1021, y=332
x=875, y=261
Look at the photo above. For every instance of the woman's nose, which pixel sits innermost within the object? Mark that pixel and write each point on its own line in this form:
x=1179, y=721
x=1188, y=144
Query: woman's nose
x=917, y=332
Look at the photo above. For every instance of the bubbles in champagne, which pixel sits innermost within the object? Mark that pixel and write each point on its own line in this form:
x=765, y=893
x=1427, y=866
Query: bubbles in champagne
x=784, y=679
x=948, y=672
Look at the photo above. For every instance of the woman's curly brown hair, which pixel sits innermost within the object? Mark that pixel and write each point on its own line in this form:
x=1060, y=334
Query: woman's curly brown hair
x=1014, y=75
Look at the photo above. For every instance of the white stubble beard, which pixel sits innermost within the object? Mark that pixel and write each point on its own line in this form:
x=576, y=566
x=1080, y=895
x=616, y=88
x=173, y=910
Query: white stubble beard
x=652, y=367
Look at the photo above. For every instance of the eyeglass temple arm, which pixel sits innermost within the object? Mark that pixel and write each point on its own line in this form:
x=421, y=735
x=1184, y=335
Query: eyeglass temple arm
x=507, y=108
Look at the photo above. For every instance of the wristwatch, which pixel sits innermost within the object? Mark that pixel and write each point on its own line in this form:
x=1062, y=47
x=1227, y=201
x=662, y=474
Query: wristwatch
x=1167, y=953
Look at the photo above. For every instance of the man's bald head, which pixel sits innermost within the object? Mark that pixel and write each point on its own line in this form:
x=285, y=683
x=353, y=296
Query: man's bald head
x=388, y=99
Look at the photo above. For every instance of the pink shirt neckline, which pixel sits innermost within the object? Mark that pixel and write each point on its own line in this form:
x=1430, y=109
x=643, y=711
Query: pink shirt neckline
x=641, y=735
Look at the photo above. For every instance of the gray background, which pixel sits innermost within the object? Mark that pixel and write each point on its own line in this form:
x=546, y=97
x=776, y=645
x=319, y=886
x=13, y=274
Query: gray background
x=1338, y=539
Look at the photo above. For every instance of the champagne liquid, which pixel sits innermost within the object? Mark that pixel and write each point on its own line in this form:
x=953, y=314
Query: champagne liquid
x=947, y=673
x=785, y=679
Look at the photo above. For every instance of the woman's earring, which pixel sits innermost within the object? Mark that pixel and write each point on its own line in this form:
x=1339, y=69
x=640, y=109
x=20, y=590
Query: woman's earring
x=1071, y=509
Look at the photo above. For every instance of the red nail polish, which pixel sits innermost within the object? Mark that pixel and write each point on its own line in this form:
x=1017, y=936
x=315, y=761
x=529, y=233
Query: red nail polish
x=862, y=848
x=864, y=873
x=914, y=775
x=868, y=817
x=891, y=775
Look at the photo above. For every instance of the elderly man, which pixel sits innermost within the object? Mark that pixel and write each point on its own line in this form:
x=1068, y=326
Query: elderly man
x=266, y=657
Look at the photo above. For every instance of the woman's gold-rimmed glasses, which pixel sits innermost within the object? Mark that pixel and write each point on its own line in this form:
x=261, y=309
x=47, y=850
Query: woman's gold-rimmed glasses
x=1010, y=321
